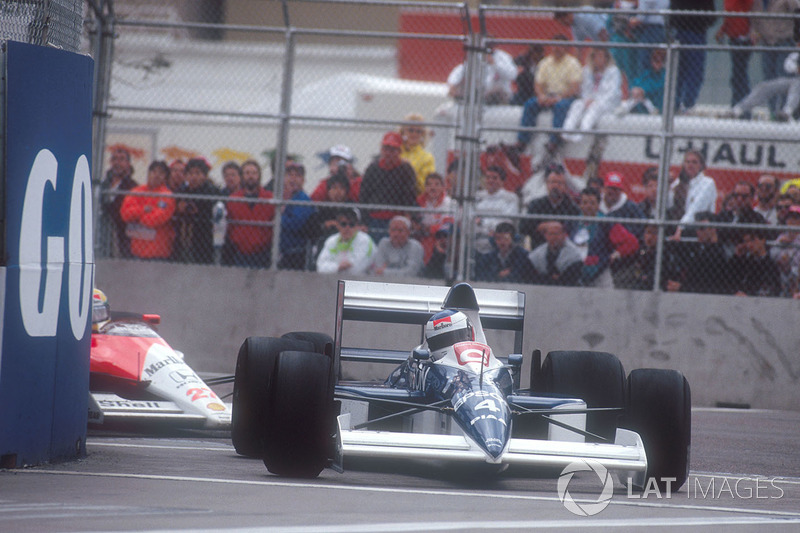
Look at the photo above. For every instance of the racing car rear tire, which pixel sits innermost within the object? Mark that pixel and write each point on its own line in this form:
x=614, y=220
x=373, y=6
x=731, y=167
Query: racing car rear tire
x=298, y=436
x=659, y=409
x=254, y=368
x=323, y=343
x=595, y=377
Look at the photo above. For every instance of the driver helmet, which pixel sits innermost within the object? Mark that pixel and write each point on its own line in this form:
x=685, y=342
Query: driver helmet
x=445, y=329
x=100, y=308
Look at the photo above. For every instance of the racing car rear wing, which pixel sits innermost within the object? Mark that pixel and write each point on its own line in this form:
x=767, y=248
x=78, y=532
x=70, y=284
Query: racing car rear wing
x=396, y=303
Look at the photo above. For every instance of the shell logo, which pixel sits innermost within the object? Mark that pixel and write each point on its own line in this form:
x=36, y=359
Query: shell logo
x=472, y=352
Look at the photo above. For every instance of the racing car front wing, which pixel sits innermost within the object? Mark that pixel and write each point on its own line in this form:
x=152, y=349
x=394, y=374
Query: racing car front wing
x=625, y=455
x=109, y=407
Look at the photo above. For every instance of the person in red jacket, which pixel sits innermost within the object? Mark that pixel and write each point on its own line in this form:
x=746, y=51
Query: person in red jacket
x=340, y=161
x=148, y=218
x=388, y=181
x=249, y=223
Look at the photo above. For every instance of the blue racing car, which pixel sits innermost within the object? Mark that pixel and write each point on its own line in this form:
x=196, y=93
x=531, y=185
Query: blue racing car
x=450, y=397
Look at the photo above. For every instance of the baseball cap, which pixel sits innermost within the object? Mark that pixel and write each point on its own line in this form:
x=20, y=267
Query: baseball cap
x=444, y=231
x=392, y=139
x=298, y=167
x=613, y=180
x=350, y=213
x=342, y=151
x=555, y=168
x=794, y=210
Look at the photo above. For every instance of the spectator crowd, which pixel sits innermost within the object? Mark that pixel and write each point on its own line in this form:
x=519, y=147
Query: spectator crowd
x=399, y=218
x=581, y=84
x=596, y=237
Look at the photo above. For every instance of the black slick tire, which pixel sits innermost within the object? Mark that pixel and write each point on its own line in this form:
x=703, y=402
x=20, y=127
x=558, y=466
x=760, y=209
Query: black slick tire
x=659, y=409
x=322, y=342
x=298, y=437
x=595, y=377
x=255, y=365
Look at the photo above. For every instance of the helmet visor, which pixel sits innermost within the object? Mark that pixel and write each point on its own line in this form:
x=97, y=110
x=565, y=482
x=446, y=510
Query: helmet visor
x=99, y=313
x=448, y=339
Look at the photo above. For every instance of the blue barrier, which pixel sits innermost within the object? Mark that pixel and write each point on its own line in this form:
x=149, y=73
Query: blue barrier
x=47, y=278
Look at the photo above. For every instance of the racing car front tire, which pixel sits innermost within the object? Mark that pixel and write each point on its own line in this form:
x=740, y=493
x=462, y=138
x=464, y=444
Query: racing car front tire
x=323, y=343
x=299, y=432
x=659, y=409
x=595, y=377
x=254, y=368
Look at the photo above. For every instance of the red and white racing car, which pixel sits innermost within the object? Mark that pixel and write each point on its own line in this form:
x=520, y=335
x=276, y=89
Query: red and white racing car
x=135, y=376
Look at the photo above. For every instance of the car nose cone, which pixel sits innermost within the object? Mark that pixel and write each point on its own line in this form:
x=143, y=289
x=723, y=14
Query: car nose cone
x=484, y=416
x=491, y=434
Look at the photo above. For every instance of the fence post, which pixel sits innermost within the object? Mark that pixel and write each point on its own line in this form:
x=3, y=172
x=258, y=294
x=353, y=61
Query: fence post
x=469, y=146
x=103, y=49
x=283, y=135
x=667, y=129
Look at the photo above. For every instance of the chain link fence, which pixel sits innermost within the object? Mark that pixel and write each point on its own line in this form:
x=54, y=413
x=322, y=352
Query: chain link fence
x=43, y=22
x=611, y=146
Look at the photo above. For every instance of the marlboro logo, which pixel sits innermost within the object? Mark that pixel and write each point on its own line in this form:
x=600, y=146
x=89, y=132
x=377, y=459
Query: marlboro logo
x=442, y=323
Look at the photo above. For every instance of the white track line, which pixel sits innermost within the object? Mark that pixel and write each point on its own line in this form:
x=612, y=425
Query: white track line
x=229, y=448
x=662, y=503
x=50, y=511
x=221, y=448
x=520, y=525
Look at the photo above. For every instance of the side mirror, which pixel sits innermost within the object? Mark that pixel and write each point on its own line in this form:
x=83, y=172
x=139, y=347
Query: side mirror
x=421, y=354
x=515, y=360
x=153, y=320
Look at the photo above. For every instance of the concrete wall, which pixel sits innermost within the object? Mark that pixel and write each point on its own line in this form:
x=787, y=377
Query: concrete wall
x=732, y=350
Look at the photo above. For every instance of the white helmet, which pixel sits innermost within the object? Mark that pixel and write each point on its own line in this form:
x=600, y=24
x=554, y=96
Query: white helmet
x=446, y=328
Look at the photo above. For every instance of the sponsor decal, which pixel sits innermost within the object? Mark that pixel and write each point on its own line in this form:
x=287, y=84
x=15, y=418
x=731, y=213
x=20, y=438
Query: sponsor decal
x=129, y=404
x=472, y=352
x=585, y=508
x=214, y=406
x=492, y=442
x=434, y=381
x=736, y=154
x=480, y=394
x=198, y=393
x=418, y=378
x=45, y=256
x=182, y=377
x=486, y=417
x=155, y=367
x=442, y=323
